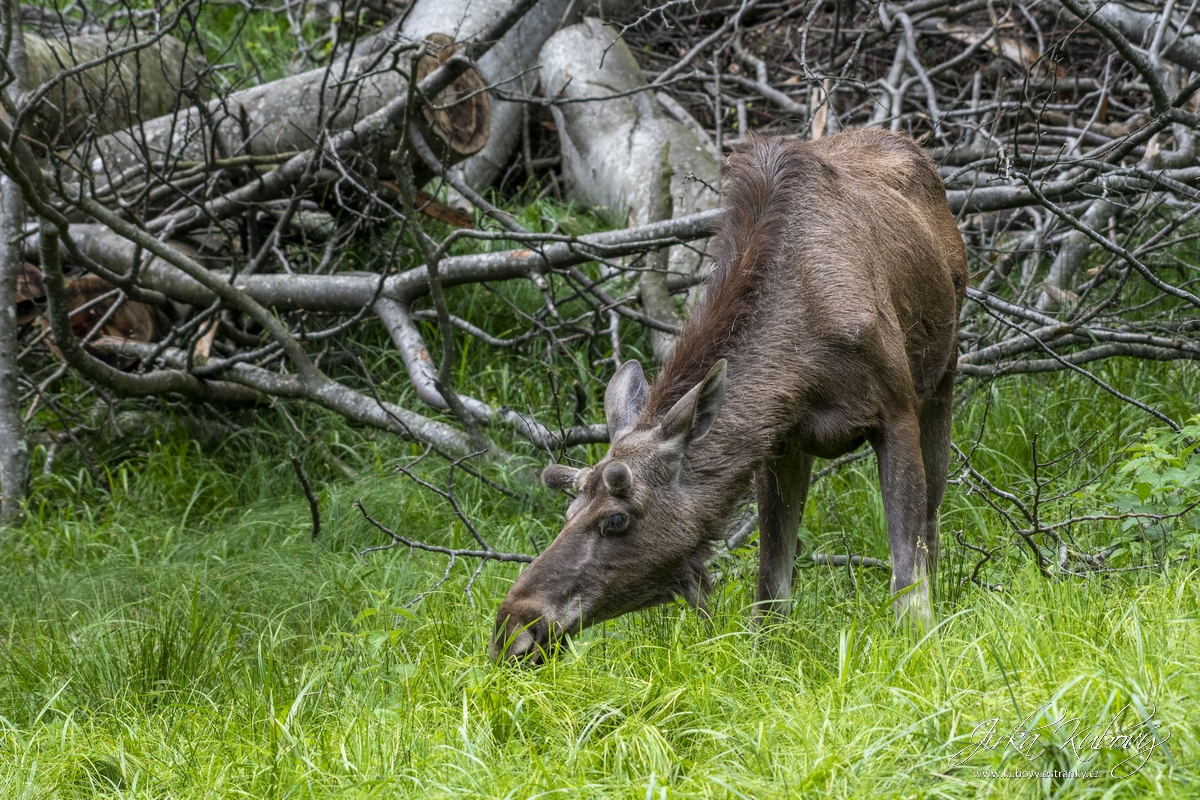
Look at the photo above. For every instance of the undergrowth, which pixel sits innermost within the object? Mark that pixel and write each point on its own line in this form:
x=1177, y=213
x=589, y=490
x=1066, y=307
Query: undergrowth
x=169, y=630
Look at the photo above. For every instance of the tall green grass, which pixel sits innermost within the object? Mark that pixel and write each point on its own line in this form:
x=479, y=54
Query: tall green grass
x=177, y=635
x=167, y=628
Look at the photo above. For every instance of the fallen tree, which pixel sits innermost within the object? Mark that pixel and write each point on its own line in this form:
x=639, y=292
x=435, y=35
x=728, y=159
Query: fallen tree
x=128, y=81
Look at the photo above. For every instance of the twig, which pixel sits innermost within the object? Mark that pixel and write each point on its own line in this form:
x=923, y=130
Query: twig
x=313, y=506
x=485, y=553
x=850, y=560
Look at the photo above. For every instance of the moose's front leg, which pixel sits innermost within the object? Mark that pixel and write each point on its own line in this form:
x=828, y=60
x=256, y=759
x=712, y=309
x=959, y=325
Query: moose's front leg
x=782, y=484
x=902, y=480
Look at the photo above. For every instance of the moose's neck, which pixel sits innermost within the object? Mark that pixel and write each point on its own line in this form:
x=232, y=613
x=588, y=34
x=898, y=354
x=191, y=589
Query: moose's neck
x=718, y=468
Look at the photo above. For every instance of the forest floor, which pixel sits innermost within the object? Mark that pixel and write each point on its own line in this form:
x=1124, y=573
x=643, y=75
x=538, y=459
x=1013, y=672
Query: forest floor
x=177, y=634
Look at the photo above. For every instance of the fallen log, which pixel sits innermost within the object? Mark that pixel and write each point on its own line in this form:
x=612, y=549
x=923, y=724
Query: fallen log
x=617, y=141
x=381, y=126
x=509, y=66
x=612, y=133
x=292, y=114
x=157, y=79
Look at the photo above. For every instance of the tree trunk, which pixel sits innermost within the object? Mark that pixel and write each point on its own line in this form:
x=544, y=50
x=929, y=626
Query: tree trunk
x=611, y=147
x=142, y=85
x=14, y=451
x=291, y=114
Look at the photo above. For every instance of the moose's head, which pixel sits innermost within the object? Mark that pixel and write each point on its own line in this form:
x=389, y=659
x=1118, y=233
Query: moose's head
x=634, y=535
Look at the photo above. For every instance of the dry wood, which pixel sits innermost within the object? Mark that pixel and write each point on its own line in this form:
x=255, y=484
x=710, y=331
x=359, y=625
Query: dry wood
x=611, y=147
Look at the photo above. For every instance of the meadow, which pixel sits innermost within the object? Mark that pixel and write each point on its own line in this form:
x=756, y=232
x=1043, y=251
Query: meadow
x=172, y=631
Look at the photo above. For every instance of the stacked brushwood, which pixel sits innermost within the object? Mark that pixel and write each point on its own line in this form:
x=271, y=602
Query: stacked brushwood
x=186, y=235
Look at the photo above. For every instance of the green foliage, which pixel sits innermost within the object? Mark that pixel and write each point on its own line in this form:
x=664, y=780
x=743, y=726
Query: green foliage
x=256, y=43
x=1159, y=482
x=1162, y=472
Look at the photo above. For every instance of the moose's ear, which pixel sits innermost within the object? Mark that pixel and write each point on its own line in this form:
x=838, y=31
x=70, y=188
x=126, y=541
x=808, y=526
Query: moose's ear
x=623, y=400
x=560, y=476
x=693, y=415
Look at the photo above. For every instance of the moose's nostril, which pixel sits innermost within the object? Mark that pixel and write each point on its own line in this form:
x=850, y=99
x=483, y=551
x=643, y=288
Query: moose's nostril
x=523, y=646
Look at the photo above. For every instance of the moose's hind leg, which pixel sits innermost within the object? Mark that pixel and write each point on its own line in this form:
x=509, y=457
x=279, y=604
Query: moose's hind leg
x=782, y=484
x=902, y=481
x=936, y=430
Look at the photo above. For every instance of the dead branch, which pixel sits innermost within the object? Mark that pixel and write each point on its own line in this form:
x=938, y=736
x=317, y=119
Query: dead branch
x=313, y=506
x=485, y=552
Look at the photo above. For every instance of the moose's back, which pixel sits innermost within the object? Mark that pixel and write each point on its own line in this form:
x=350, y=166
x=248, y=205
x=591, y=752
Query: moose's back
x=889, y=228
x=837, y=261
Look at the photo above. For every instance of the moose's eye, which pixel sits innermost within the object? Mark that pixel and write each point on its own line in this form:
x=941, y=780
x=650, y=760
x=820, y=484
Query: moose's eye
x=614, y=524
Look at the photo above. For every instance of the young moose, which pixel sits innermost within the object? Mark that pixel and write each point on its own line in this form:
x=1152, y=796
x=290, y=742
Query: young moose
x=831, y=318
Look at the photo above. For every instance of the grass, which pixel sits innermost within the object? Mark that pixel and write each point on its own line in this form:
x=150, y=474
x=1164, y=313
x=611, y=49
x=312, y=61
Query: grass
x=168, y=630
x=180, y=636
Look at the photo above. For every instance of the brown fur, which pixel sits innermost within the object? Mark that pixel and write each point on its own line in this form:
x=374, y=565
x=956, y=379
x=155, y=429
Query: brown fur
x=834, y=304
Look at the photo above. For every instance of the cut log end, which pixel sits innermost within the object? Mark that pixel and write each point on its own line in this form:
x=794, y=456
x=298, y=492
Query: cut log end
x=133, y=321
x=130, y=322
x=460, y=116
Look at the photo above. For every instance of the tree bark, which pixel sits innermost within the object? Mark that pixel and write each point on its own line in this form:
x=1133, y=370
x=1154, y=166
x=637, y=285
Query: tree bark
x=348, y=292
x=610, y=147
x=14, y=450
x=156, y=80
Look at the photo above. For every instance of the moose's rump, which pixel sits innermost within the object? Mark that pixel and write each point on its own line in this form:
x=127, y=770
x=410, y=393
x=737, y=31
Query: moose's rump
x=873, y=265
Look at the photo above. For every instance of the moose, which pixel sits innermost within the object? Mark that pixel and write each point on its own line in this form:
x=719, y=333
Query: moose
x=830, y=319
